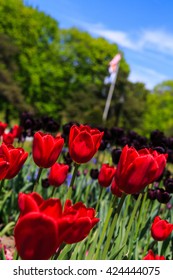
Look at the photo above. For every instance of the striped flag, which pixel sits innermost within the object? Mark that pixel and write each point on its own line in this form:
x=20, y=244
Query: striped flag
x=113, y=65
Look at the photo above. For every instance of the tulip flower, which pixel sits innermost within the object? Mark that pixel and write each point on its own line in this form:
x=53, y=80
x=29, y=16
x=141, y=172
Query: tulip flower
x=76, y=222
x=15, y=158
x=43, y=225
x=2, y=127
x=106, y=175
x=151, y=256
x=161, y=229
x=84, y=142
x=8, y=138
x=36, y=231
x=58, y=174
x=46, y=149
x=16, y=131
x=94, y=173
x=137, y=169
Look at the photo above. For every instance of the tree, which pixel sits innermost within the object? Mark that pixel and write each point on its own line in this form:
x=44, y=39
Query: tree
x=134, y=106
x=85, y=61
x=159, y=113
x=10, y=92
x=36, y=37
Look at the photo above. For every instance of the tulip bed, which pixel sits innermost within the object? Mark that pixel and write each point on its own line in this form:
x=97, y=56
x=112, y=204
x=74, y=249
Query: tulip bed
x=85, y=193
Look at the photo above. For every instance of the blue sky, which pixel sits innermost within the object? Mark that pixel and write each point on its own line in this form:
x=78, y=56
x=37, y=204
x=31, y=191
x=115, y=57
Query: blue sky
x=143, y=30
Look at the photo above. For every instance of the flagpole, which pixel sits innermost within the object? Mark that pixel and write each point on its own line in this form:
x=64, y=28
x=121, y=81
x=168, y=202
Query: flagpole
x=109, y=98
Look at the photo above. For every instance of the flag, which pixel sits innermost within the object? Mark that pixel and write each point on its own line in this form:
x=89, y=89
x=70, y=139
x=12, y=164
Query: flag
x=112, y=69
x=114, y=62
x=109, y=79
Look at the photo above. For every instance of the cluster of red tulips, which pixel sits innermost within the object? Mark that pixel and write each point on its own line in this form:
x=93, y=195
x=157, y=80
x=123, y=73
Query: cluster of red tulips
x=44, y=226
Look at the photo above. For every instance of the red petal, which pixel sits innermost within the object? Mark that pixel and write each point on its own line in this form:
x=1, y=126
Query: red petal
x=27, y=204
x=36, y=237
x=38, y=149
x=82, y=148
x=52, y=208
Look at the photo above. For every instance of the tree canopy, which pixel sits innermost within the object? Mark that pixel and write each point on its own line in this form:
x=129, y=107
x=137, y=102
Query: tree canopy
x=60, y=73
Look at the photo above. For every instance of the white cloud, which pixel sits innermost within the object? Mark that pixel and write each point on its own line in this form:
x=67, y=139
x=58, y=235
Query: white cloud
x=158, y=40
x=146, y=75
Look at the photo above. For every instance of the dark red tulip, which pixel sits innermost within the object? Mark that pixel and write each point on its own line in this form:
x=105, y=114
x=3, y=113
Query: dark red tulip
x=151, y=194
x=58, y=174
x=46, y=149
x=116, y=153
x=162, y=196
x=84, y=142
x=152, y=256
x=161, y=229
x=94, y=173
x=106, y=175
x=137, y=169
x=15, y=158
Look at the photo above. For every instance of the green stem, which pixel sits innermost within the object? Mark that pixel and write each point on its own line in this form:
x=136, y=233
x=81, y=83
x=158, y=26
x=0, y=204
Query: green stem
x=2, y=254
x=53, y=192
x=2, y=184
x=100, y=199
x=140, y=216
x=103, y=232
x=112, y=227
x=132, y=217
x=69, y=193
x=37, y=179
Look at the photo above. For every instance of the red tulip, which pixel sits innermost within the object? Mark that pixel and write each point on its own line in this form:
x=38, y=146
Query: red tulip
x=36, y=231
x=46, y=149
x=161, y=229
x=8, y=138
x=83, y=142
x=76, y=222
x=58, y=174
x=137, y=169
x=2, y=127
x=16, y=131
x=43, y=226
x=106, y=175
x=15, y=158
x=151, y=256
x=115, y=190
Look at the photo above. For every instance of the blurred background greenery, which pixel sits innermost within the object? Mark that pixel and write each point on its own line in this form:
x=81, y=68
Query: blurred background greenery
x=60, y=73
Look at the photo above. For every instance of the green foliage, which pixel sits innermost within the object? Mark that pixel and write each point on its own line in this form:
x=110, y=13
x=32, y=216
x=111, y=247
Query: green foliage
x=159, y=114
x=36, y=37
x=10, y=92
x=85, y=63
x=134, y=106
